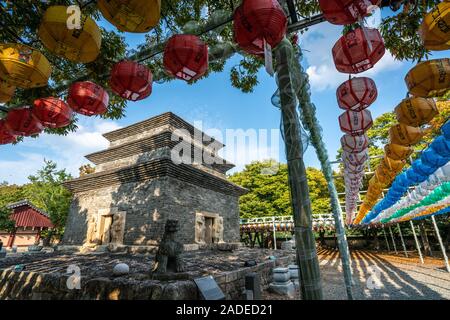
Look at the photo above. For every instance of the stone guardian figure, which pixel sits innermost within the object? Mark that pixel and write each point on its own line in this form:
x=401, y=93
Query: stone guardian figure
x=168, y=257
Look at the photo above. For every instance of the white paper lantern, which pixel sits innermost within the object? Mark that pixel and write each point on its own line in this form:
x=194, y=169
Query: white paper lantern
x=355, y=123
x=354, y=144
x=356, y=159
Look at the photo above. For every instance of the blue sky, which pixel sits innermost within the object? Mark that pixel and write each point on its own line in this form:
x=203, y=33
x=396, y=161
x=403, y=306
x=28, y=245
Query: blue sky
x=218, y=105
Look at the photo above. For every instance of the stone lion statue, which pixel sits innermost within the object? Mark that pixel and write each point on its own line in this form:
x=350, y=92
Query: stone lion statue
x=168, y=257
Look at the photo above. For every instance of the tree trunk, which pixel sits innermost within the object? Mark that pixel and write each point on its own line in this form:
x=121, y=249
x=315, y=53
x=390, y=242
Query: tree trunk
x=426, y=243
x=376, y=241
x=322, y=238
x=309, y=272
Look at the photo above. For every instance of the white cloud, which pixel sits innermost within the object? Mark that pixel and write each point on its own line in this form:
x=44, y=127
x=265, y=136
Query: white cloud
x=67, y=151
x=317, y=44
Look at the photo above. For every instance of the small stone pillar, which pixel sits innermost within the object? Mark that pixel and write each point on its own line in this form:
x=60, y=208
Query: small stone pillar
x=293, y=271
x=281, y=282
x=253, y=286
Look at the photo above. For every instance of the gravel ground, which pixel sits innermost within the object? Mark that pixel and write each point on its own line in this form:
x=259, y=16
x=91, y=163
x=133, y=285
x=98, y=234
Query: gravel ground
x=383, y=276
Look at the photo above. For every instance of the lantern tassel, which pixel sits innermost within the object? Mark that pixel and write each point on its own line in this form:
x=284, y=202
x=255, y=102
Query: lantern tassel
x=268, y=58
x=366, y=34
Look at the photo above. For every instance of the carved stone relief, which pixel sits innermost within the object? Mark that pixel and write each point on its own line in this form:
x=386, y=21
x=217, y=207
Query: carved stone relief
x=203, y=228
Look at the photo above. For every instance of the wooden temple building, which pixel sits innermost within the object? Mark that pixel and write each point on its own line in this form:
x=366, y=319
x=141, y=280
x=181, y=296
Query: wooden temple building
x=30, y=221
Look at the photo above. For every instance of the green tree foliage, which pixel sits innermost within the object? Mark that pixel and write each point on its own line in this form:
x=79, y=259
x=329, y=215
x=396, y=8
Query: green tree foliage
x=6, y=224
x=379, y=133
x=10, y=194
x=269, y=193
x=45, y=191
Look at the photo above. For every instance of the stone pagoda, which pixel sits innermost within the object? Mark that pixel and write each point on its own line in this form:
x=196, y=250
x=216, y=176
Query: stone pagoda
x=138, y=185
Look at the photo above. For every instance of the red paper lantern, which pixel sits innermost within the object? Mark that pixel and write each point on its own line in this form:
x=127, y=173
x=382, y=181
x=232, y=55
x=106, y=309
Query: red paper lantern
x=52, y=112
x=346, y=11
x=354, y=144
x=88, y=98
x=256, y=21
x=355, y=123
x=357, y=94
x=144, y=94
x=186, y=57
x=21, y=122
x=131, y=80
x=5, y=136
x=352, y=54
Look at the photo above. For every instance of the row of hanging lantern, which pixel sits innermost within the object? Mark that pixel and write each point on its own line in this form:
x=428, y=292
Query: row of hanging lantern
x=425, y=81
x=259, y=25
x=429, y=172
x=412, y=113
x=355, y=52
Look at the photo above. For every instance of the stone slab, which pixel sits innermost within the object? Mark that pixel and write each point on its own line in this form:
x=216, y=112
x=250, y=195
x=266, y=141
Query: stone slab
x=209, y=289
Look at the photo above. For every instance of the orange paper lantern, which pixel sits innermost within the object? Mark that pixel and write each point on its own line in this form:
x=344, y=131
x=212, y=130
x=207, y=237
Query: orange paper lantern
x=405, y=135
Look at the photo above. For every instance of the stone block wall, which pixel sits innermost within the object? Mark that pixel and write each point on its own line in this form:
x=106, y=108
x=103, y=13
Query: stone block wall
x=148, y=205
x=29, y=285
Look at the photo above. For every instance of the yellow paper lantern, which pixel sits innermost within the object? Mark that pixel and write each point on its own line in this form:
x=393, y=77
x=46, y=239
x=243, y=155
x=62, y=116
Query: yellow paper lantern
x=6, y=91
x=416, y=111
x=23, y=66
x=384, y=175
x=395, y=166
x=430, y=78
x=362, y=213
x=131, y=15
x=374, y=189
x=79, y=45
x=435, y=29
x=375, y=183
x=371, y=197
x=397, y=152
x=405, y=135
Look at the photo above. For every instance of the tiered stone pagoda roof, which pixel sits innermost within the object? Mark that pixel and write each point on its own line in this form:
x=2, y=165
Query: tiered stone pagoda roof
x=142, y=151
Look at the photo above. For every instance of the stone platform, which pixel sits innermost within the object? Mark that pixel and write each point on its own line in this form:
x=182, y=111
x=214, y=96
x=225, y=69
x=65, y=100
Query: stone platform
x=44, y=276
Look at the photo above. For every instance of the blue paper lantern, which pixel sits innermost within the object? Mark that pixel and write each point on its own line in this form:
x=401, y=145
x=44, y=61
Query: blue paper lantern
x=441, y=146
x=446, y=130
x=402, y=181
x=423, y=169
x=414, y=177
x=431, y=158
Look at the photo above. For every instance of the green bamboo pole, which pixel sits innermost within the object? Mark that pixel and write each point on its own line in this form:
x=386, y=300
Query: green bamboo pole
x=309, y=272
x=311, y=123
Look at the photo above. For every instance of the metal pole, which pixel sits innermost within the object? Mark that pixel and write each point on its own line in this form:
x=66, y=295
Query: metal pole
x=274, y=234
x=387, y=242
x=441, y=243
x=309, y=271
x=417, y=241
x=403, y=241
x=393, y=240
